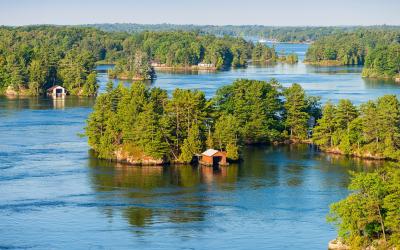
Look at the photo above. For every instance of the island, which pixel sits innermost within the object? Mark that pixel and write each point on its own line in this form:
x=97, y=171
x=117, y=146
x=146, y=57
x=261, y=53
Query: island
x=144, y=126
x=377, y=50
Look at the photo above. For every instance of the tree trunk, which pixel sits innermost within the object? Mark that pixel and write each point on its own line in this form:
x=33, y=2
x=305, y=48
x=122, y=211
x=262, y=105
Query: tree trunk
x=381, y=221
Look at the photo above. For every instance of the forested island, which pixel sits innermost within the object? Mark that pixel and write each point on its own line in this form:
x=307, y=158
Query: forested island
x=378, y=51
x=142, y=125
x=34, y=58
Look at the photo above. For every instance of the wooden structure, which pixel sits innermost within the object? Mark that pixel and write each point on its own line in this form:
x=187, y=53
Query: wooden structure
x=56, y=91
x=212, y=157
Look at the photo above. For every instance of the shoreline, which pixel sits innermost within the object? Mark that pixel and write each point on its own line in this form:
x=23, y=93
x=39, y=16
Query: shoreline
x=120, y=157
x=184, y=68
x=325, y=63
x=365, y=156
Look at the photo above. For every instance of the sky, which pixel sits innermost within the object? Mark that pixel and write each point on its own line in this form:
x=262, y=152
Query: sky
x=215, y=12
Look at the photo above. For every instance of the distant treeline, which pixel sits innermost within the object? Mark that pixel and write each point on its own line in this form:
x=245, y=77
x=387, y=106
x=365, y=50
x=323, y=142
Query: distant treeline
x=141, y=123
x=278, y=33
x=377, y=50
x=34, y=58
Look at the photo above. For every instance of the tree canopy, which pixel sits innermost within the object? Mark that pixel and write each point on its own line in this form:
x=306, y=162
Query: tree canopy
x=370, y=47
x=145, y=122
x=370, y=130
x=370, y=215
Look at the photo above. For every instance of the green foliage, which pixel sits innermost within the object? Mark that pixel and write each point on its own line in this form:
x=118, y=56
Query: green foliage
x=369, y=46
x=371, y=211
x=291, y=58
x=264, y=54
x=296, y=112
x=226, y=132
x=256, y=106
x=383, y=62
x=135, y=67
x=146, y=122
x=280, y=34
x=371, y=130
x=35, y=58
x=323, y=133
x=91, y=86
x=192, y=144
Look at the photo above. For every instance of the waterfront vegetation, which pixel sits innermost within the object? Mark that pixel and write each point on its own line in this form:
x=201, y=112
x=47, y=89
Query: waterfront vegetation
x=370, y=215
x=378, y=51
x=144, y=123
x=370, y=131
x=294, y=34
x=291, y=58
x=34, y=58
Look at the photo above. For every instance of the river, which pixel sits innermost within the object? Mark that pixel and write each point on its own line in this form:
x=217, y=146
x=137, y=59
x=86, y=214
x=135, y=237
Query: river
x=55, y=195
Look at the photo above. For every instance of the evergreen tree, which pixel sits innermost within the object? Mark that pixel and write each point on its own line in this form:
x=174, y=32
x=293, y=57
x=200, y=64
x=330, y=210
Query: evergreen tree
x=345, y=113
x=91, y=86
x=37, y=77
x=324, y=131
x=296, y=115
x=192, y=144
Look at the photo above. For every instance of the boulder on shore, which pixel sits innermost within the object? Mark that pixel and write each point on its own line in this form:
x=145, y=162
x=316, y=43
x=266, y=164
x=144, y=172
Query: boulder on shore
x=337, y=245
x=124, y=156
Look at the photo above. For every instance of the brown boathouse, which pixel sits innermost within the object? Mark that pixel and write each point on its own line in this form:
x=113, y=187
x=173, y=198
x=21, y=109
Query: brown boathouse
x=212, y=157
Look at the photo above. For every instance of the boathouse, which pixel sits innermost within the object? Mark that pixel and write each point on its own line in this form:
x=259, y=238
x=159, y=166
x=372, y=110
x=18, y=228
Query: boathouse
x=56, y=91
x=212, y=157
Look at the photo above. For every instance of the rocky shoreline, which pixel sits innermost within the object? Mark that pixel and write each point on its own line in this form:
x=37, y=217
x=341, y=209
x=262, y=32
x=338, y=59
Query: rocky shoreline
x=366, y=156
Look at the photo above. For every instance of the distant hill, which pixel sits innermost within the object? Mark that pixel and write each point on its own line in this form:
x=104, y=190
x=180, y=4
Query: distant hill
x=276, y=33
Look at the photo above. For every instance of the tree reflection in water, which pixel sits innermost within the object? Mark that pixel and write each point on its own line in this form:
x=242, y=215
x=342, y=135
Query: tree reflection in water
x=149, y=195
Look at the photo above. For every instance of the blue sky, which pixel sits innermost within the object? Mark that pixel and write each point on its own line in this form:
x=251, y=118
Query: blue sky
x=277, y=12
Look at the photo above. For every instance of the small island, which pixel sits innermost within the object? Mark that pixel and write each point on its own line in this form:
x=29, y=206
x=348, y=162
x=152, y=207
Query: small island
x=144, y=126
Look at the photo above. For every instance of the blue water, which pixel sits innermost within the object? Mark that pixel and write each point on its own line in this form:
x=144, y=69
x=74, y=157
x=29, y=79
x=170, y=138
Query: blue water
x=330, y=83
x=55, y=195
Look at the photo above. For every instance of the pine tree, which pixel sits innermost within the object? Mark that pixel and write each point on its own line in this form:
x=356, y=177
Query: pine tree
x=226, y=131
x=232, y=151
x=37, y=77
x=91, y=85
x=345, y=113
x=296, y=115
x=192, y=144
x=324, y=131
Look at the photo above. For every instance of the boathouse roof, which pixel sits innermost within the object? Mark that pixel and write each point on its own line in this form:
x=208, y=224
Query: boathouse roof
x=54, y=87
x=210, y=152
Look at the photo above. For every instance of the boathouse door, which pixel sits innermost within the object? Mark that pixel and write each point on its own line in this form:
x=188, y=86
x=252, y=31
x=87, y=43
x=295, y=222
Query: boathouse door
x=216, y=160
x=59, y=92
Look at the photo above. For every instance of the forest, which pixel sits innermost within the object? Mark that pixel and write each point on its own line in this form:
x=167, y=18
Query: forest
x=145, y=123
x=277, y=33
x=34, y=58
x=370, y=130
x=369, y=217
x=378, y=51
